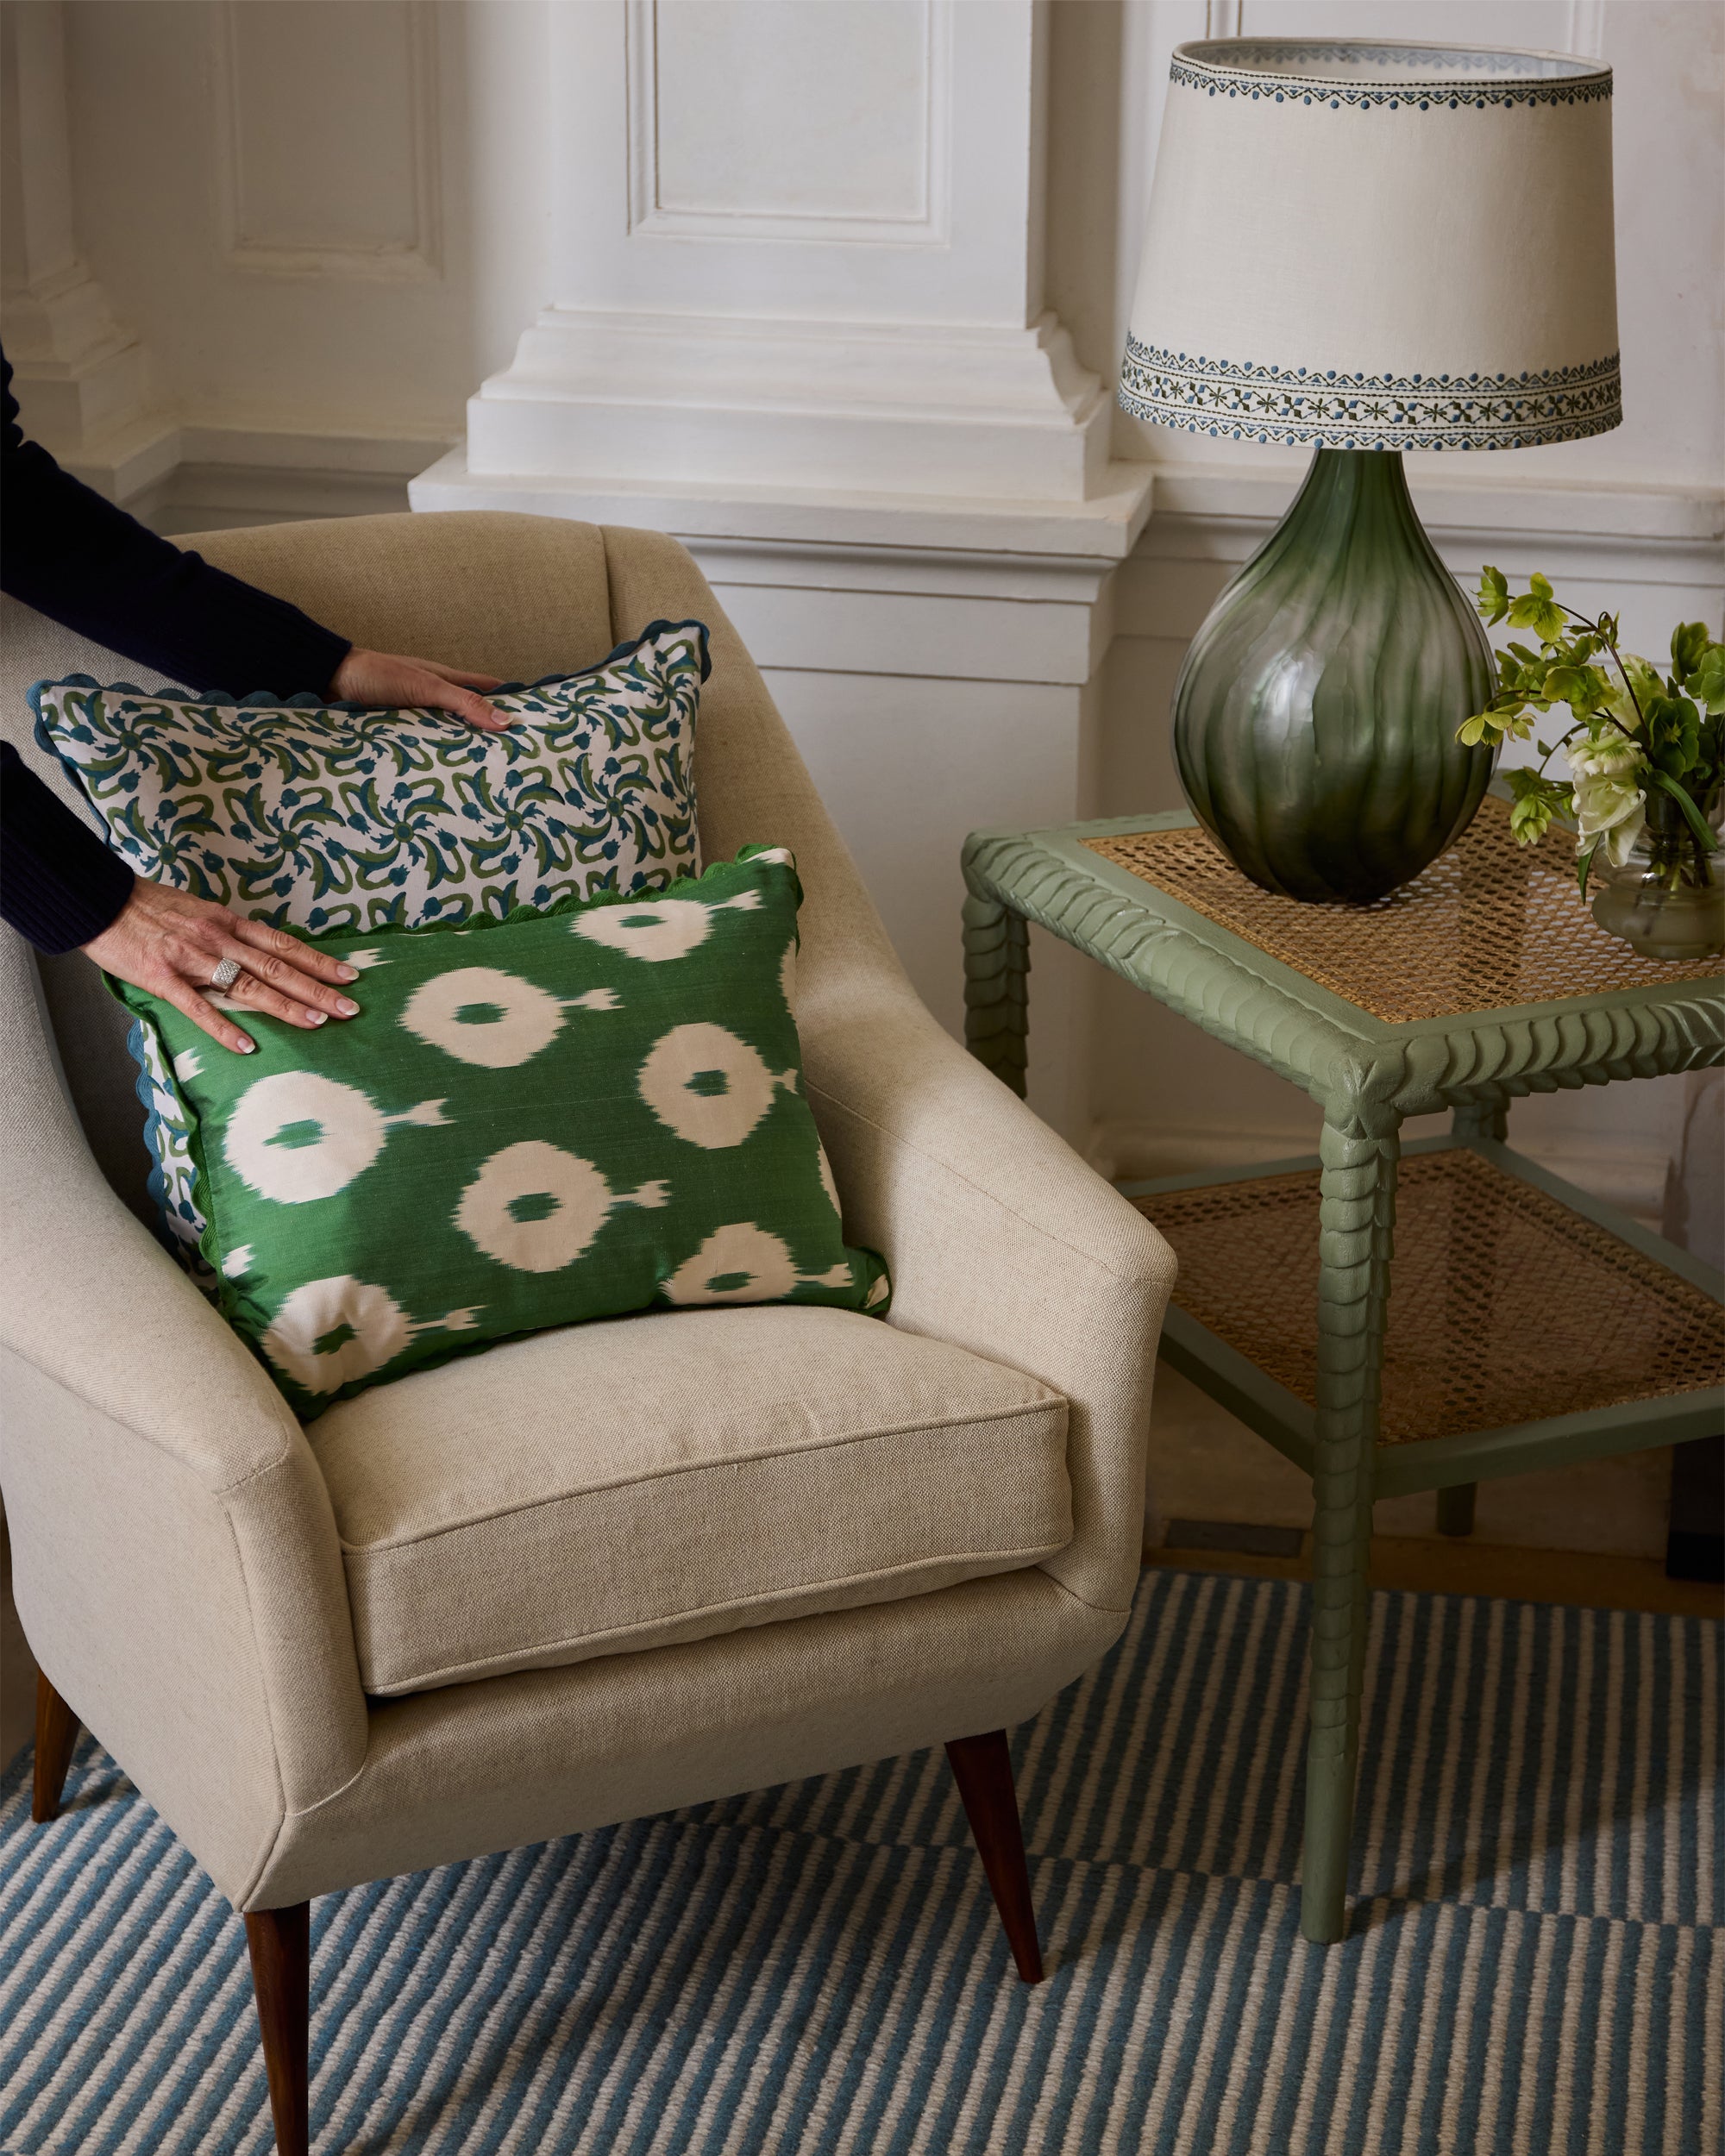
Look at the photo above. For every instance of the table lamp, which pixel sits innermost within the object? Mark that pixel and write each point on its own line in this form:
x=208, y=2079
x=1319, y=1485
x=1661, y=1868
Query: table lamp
x=1368, y=247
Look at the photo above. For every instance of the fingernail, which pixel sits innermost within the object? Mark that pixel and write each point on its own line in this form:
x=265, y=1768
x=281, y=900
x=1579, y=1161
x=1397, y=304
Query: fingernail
x=315, y=1017
x=348, y=1010
x=246, y=1046
x=346, y=973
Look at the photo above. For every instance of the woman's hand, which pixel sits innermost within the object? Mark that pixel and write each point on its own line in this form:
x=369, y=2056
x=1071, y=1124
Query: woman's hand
x=170, y=943
x=382, y=678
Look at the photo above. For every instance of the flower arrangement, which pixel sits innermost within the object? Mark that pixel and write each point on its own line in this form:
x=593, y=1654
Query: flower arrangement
x=1645, y=751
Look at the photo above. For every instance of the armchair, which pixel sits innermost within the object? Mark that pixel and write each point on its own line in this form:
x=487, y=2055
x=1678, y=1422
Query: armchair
x=186, y=1555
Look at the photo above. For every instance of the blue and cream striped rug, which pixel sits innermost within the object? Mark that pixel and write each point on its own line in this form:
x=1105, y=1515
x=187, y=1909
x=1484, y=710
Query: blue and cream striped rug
x=1536, y=1963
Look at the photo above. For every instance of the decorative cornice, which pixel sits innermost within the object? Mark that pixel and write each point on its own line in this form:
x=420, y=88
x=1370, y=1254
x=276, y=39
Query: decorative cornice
x=1490, y=79
x=1102, y=527
x=1244, y=401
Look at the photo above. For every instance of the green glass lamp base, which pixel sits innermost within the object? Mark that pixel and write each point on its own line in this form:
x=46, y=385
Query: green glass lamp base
x=1315, y=717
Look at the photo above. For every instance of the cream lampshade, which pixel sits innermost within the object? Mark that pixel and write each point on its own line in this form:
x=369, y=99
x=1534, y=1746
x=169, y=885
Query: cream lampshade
x=1392, y=246
x=1368, y=248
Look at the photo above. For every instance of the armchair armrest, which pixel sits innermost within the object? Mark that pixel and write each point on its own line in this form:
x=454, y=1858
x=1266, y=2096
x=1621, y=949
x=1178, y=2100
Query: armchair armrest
x=1001, y=1240
x=176, y=1562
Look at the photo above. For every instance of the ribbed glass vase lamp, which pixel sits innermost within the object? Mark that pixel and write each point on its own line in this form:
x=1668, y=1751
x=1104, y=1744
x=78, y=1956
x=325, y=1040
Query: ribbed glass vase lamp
x=1367, y=249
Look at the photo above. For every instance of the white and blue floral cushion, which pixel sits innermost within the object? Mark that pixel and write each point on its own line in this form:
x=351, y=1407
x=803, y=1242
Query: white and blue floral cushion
x=167, y=1133
x=336, y=819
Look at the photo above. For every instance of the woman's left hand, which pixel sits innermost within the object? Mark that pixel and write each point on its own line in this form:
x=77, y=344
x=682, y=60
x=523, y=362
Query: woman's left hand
x=173, y=944
x=384, y=678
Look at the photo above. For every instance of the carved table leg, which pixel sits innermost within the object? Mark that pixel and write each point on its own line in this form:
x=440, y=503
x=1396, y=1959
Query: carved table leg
x=1356, y=1225
x=1486, y=1118
x=996, y=971
x=1482, y=1118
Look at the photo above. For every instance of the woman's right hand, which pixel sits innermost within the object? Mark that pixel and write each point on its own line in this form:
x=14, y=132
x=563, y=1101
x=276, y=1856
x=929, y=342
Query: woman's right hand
x=388, y=679
x=170, y=943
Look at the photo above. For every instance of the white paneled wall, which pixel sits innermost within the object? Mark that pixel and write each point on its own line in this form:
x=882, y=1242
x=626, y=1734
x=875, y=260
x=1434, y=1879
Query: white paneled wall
x=273, y=199
x=793, y=312
x=833, y=126
x=834, y=289
x=369, y=201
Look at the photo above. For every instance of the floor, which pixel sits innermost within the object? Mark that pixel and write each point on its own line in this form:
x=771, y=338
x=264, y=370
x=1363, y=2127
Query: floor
x=1594, y=1534
x=817, y=1969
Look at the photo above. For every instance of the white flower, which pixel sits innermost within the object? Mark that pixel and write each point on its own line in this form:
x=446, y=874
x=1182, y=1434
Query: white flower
x=1604, y=777
x=1605, y=754
x=1645, y=681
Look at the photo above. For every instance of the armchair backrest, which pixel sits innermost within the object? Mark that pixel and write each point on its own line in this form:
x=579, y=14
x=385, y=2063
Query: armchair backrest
x=517, y=596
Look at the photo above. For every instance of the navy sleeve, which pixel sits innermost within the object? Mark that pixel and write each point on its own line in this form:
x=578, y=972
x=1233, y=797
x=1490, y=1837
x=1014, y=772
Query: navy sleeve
x=59, y=886
x=86, y=564
x=83, y=563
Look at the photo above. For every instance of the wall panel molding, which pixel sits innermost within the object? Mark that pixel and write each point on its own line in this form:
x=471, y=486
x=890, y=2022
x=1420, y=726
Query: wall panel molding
x=1587, y=28
x=79, y=372
x=657, y=210
x=405, y=248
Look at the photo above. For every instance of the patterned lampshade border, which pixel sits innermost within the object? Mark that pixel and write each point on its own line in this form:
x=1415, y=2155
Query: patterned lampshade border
x=1326, y=260
x=1320, y=72
x=1242, y=401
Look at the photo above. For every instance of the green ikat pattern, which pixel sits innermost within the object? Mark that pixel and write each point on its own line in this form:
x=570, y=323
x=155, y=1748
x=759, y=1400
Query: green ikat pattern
x=556, y=1117
x=336, y=819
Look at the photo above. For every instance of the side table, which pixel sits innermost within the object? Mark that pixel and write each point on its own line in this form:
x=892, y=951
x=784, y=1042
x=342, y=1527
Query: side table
x=1484, y=980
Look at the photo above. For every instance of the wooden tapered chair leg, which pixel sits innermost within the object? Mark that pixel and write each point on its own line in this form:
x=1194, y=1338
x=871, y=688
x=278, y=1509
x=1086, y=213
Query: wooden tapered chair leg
x=56, y=1735
x=281, y=1945
x=982, y=1767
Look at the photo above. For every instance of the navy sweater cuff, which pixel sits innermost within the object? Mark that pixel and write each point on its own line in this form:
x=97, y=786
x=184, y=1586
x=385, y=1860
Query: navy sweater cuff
x=60, y=885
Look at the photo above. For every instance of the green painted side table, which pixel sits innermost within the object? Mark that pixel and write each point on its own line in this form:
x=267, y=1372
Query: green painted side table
x=1483, y=980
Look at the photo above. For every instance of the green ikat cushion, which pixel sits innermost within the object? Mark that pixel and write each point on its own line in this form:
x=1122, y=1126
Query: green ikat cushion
x=558, y=1116
x=333, y=818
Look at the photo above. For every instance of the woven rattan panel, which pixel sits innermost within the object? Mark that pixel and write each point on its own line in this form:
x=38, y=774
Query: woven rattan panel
x=1488, y=927
x=1504, y=1306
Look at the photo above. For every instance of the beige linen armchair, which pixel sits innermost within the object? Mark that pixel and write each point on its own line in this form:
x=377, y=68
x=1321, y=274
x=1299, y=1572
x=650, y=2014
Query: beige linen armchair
x=609, y=1569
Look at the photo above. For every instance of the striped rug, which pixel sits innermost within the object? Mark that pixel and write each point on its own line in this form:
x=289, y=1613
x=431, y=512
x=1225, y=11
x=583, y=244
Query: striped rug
x=1535, y=1963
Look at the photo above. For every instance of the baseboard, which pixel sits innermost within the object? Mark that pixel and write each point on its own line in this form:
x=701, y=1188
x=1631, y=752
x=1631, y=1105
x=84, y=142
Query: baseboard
x=219, y=497
x=178, y=476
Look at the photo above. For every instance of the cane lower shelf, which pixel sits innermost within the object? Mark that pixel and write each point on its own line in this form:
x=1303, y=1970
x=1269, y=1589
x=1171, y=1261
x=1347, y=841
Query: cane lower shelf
x=1507, y=1305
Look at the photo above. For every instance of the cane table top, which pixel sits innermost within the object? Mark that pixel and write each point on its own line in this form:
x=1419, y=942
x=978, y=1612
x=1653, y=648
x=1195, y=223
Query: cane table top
x=1485, y=979
x=1489, y=925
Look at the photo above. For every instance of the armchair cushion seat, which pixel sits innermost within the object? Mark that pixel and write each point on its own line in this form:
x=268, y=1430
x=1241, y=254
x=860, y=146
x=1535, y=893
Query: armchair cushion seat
x=643, y=1481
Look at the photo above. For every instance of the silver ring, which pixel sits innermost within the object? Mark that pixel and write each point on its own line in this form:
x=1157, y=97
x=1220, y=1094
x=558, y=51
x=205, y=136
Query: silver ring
x=225, y=973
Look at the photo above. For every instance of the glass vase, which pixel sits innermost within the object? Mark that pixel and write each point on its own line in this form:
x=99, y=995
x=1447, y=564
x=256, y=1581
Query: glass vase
x=1668, y=900
x=1315, y=717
